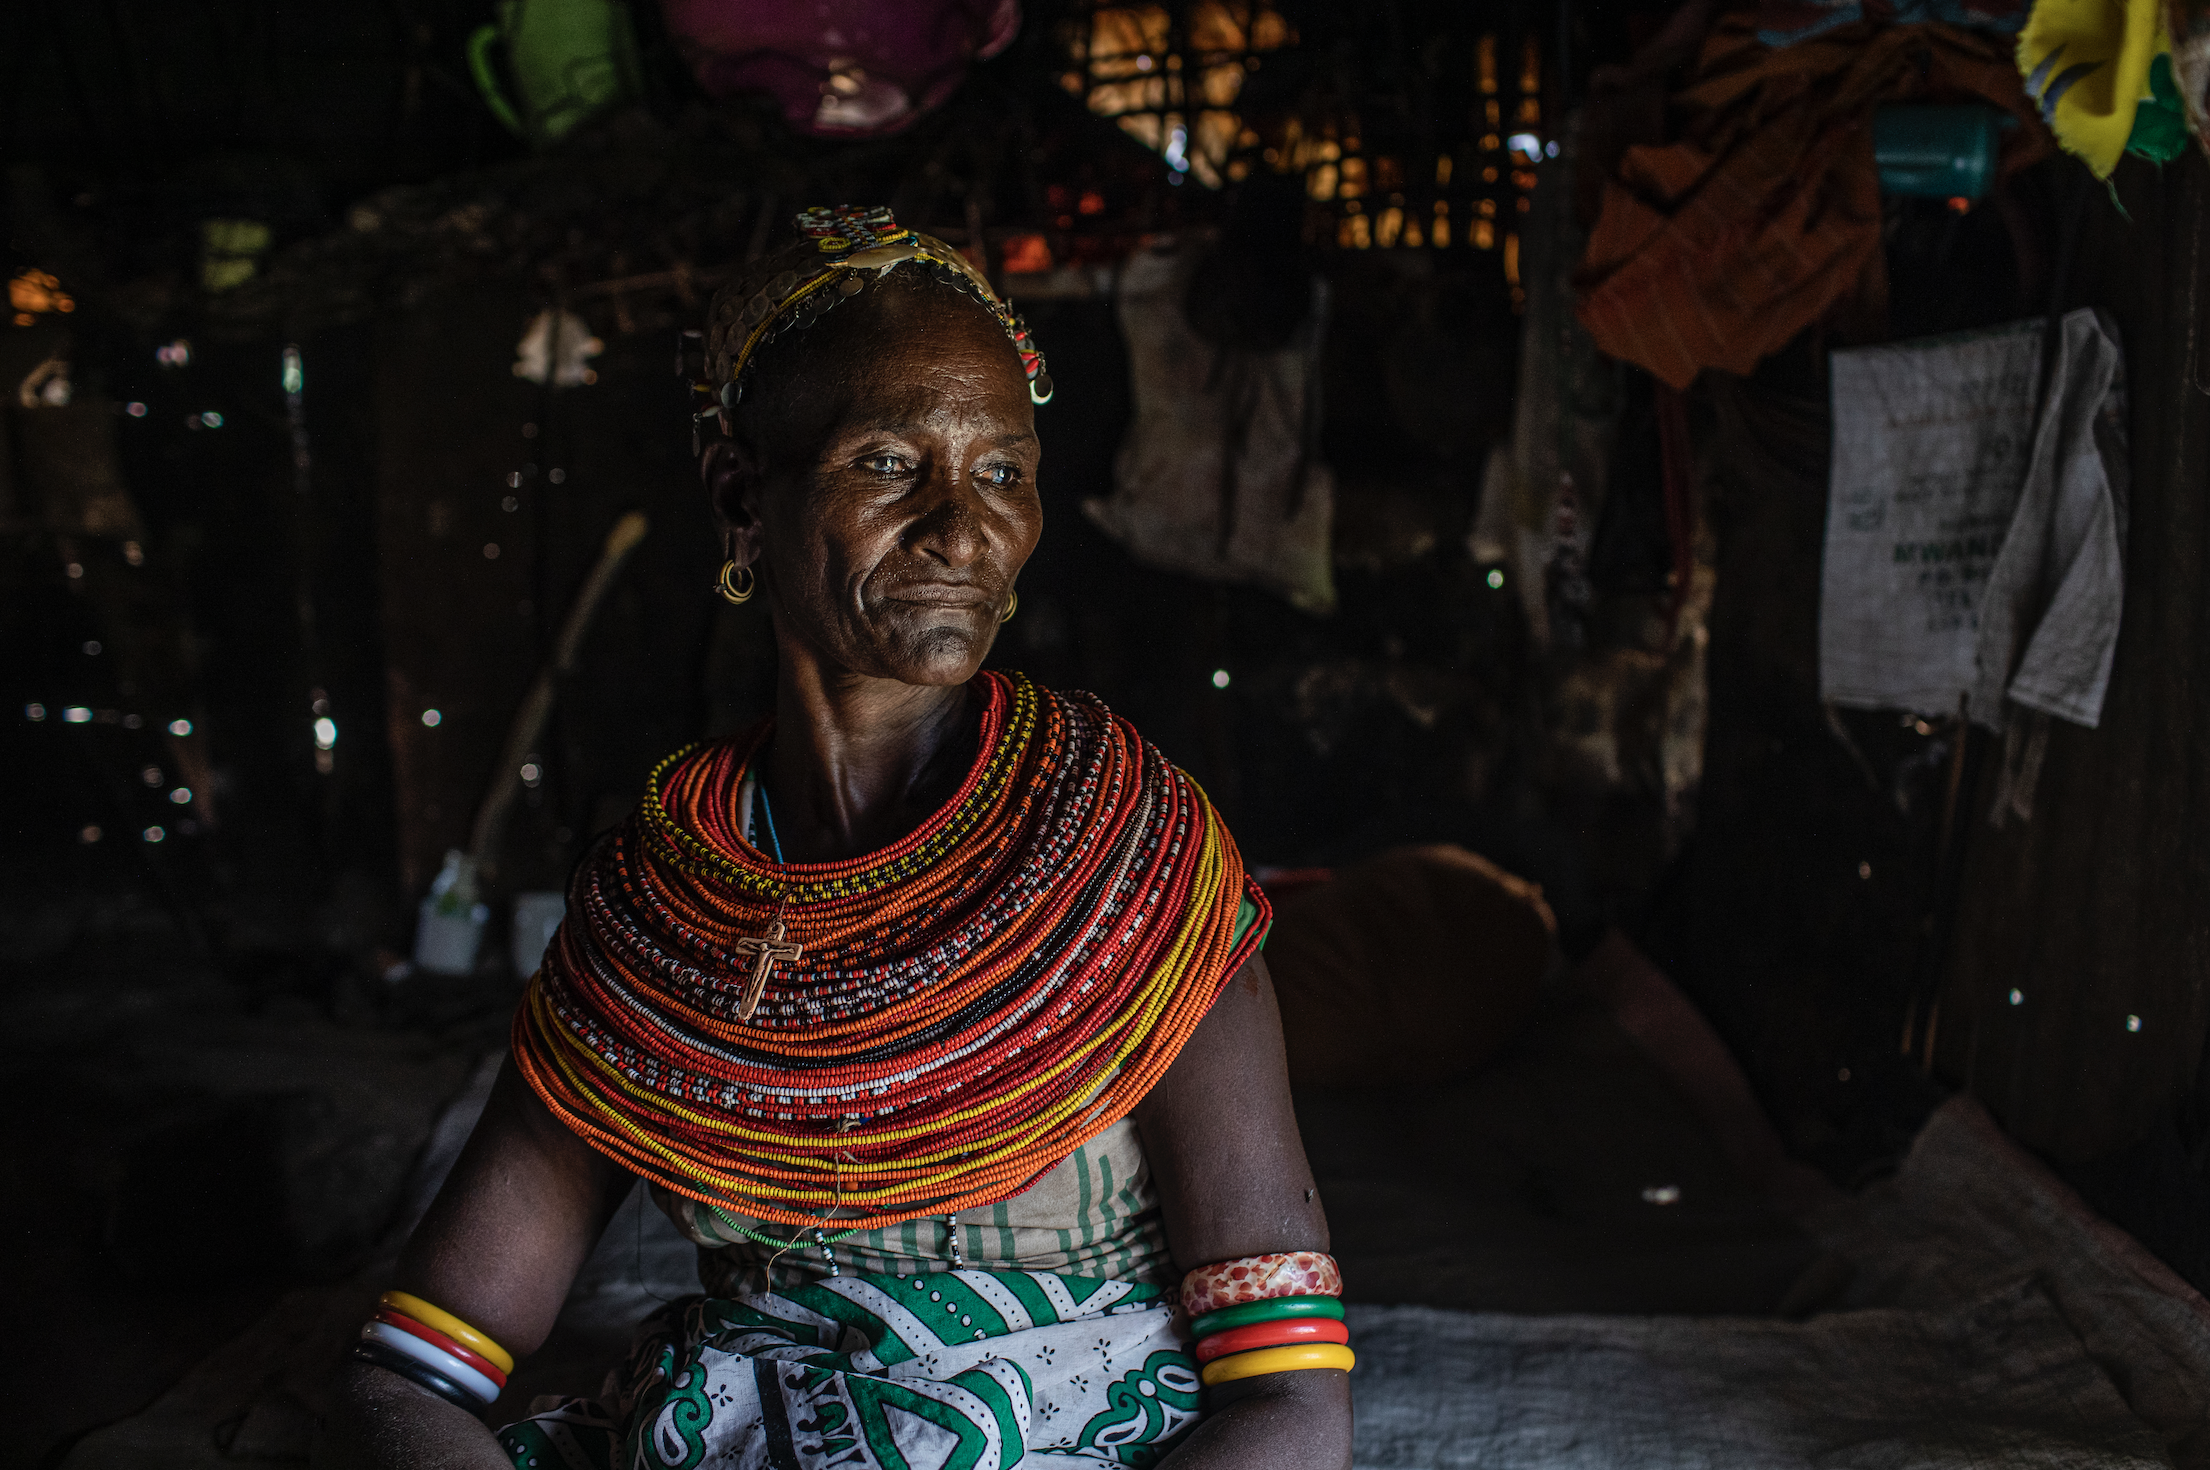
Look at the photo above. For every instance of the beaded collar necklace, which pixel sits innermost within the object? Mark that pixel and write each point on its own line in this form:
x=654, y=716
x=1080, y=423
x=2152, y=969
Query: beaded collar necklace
x=1009, y=710
x=970, y=1003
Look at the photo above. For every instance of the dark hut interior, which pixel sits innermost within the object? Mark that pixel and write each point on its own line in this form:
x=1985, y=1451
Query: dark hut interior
x=1718, y=1039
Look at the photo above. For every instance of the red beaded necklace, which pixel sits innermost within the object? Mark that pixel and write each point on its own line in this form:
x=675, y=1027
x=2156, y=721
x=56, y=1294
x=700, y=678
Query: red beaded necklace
x=948, y=1017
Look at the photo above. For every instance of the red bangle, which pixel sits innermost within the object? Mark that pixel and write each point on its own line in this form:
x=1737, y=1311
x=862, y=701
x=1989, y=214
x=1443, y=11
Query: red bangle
x=443, y=1343
x=1292, y=1332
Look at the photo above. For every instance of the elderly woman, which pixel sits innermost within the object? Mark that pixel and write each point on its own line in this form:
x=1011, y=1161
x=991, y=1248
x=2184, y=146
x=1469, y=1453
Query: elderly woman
x=931, y=1008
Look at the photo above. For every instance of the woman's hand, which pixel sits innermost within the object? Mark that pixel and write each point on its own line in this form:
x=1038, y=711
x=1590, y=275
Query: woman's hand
x=498, y=1249
x=1222, y=1141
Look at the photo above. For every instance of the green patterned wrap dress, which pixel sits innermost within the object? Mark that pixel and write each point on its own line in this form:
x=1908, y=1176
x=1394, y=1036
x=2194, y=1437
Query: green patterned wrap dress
x=1040, y=1331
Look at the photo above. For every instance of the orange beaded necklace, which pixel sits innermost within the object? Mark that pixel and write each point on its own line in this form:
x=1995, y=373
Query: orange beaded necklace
x=949, y=1017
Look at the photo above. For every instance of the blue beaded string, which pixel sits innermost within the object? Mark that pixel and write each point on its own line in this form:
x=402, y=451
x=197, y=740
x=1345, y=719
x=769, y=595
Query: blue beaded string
x=759, y=804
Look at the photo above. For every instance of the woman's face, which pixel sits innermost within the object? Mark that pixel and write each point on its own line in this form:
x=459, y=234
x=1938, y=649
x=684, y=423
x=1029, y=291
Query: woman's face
x=893, y=500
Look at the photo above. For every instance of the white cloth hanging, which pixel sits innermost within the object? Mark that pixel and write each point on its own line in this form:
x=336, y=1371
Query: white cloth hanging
x=1219, y=476
x=1971, y=554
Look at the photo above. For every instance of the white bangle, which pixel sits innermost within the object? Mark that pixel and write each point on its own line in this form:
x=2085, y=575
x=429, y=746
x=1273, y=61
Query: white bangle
x=433, y=1357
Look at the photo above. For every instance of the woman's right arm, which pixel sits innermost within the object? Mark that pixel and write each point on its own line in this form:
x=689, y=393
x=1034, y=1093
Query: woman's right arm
x=498, y=1249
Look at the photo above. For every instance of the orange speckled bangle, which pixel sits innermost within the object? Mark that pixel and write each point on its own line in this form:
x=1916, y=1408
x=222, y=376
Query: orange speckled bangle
x=1259, y=1278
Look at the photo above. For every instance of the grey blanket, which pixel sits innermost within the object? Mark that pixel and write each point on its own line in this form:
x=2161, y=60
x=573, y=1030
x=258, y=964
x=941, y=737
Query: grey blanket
x=1988, y=1320
x=2001, y=1382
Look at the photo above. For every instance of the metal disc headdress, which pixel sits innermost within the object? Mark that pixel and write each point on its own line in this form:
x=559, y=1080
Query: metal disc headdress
x=851, y=244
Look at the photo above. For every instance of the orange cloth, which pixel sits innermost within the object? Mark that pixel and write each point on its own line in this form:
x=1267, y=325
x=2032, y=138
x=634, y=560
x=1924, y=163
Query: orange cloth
x=1716, y=250
x=1417, y=964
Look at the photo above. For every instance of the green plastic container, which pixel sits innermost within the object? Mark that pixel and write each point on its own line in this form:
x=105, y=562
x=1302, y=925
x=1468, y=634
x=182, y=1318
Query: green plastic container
x=564, y=62
x=1935, y=152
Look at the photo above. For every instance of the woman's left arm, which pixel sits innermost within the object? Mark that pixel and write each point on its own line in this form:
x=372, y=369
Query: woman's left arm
x=1222, y=1141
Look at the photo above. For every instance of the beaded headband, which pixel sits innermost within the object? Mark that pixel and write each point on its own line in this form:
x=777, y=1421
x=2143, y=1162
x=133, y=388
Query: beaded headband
x=850, y=244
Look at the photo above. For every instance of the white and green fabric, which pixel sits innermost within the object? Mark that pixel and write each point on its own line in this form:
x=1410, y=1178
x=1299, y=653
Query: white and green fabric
x=1096, y=1213
x=932, y=1370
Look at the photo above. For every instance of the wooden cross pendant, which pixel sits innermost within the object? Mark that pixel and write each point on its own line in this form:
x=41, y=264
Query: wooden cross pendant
x=767, y=951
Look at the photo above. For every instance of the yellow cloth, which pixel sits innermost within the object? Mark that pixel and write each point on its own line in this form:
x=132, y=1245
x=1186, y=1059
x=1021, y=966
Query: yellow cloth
x=2086, y=64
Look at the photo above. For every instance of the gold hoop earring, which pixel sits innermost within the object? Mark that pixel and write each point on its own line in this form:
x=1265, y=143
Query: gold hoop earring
x=732, y=593
x=1011, y=603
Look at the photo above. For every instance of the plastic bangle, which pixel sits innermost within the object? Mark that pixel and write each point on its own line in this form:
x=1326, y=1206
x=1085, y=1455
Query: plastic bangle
x=1260, y=1278
x=1267, y=1311
x=451, y=1326
x=1277, y=1360
x=436, y=1359
x=378, y=1355
x=1292, y=1332
x=440, y=1341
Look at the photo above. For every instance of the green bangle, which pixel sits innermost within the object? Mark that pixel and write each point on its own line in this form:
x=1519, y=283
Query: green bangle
x=1243, y=1314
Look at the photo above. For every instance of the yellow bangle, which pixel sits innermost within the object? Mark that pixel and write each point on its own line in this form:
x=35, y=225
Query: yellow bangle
x=450, y=1325
x=1277, y=1360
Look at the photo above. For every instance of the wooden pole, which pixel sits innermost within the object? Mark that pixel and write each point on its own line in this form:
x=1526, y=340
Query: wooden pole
x=529, y=720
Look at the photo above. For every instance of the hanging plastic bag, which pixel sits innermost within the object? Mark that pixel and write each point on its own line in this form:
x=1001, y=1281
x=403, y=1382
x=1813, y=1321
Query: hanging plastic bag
x=840, y=68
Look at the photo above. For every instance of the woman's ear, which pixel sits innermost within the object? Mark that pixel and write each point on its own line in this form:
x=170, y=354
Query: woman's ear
x=732, y=481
